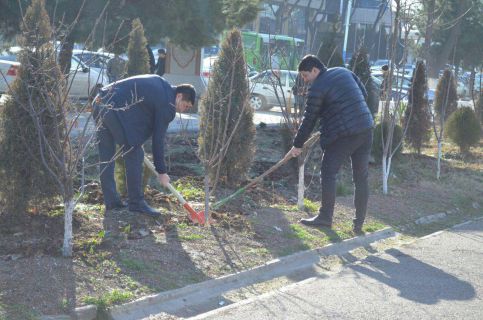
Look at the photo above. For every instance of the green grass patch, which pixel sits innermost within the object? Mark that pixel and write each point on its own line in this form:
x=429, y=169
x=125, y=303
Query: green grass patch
x=189, y=190
x=191, y=237
x=109, y=299
x=182, y=226
x=259, y=251
x=90, y=245
x=133, y=264
x=301, y=233
x=373, y=226
x=311, y=206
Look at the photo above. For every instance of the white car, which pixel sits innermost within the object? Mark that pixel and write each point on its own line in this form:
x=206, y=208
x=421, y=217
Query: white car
x=8, y=72
x=95, y=60
x=271, y=88
x=208, y=64
x=82, y=79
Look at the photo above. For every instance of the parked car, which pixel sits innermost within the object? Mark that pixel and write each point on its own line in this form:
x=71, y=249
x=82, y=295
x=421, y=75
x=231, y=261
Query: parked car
x=270, y=87
x=8, y=72
x=208, y=64
x=206, y=67
x=81, y=78
x=95, y=60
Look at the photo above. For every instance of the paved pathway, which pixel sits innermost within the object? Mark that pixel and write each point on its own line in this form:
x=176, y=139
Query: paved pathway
x=436, y=277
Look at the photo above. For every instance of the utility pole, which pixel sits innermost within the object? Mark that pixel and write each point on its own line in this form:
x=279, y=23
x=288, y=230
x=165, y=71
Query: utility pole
x=346, y=33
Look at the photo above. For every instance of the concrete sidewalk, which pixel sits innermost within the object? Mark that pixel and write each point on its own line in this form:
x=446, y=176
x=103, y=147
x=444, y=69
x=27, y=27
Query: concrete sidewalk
x=439, y=276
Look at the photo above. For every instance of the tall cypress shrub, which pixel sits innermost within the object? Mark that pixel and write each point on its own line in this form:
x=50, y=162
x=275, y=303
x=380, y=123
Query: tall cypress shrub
x=329, y=51
x=445, y=96
x=30, y=118
x=136, y=51
x=227, y=131
x=359, y=64
x=419, y=124
x=479, y=108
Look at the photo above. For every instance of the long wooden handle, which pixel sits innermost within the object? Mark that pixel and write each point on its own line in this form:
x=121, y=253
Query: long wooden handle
x=151, y=168
x=286, y=158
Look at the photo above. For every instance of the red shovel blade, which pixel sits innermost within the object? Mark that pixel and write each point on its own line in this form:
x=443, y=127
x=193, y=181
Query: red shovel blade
x=195, y=217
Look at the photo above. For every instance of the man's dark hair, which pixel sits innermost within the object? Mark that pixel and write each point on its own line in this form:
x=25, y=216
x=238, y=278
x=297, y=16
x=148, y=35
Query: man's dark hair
x=309, y=62
x=163, y=51
x=187, y=91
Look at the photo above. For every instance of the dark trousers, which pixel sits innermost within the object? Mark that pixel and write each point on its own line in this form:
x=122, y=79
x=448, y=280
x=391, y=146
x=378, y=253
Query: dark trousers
x=109, y=134
x=358, y=148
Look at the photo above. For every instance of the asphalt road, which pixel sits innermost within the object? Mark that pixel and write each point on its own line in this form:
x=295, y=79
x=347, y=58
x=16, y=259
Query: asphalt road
x=182, y=122
x=436, y=277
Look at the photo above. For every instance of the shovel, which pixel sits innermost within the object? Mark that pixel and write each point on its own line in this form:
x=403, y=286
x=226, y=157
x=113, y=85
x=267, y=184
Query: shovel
x=194, y=216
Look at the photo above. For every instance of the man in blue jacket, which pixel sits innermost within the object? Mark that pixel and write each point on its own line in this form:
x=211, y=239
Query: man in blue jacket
x=128, y=112
x=337, y=98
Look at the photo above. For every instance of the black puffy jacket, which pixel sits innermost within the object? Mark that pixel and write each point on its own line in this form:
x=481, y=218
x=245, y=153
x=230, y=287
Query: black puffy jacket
x=337, y=98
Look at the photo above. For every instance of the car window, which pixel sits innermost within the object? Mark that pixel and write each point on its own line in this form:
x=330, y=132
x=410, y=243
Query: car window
x=8, y=57
x=265, y=78
x=76, y=65
x=291, y=79
x=92, y=60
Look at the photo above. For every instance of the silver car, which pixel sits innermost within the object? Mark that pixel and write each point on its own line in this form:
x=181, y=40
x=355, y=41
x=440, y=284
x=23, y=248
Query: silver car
x=272, y=88
x=82, y=79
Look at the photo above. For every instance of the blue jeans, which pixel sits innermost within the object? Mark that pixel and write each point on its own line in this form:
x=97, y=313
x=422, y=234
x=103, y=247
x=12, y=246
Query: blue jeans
x=358, y=148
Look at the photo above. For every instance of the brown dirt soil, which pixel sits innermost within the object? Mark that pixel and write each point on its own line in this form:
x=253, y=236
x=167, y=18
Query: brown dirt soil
x=120, y=256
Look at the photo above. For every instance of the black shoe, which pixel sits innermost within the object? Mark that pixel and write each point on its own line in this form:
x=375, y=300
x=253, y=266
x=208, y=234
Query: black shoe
x=116, y=205
x=316, y=221
x=358, y=231
x=144, y=208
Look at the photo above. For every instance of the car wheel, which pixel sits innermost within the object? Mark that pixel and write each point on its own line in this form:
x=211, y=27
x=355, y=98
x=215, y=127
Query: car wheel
x=258, y=102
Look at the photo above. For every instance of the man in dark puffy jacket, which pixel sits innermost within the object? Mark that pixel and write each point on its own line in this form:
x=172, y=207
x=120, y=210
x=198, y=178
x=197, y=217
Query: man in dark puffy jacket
x=337, y=97
x=128, y=112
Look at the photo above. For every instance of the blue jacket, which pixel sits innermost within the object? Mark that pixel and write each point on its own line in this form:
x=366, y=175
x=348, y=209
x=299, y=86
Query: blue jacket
x=337, y=98
x=146, y=106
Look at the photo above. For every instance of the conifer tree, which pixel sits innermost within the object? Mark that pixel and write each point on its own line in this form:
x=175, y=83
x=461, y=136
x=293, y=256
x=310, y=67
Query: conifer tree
x=359, y=64
x=463, y=128
x=329, y=52
x=479, y=108
x=446, y=99
x=136, y=51
x=31, y=117
x=226, y=126
x=417, y=116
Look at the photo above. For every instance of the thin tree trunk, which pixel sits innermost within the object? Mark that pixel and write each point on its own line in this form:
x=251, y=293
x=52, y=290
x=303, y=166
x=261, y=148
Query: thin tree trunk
x=69, y=205
x=301, y=185
x=206, y=181
x=385, y=175
x=438, y=170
